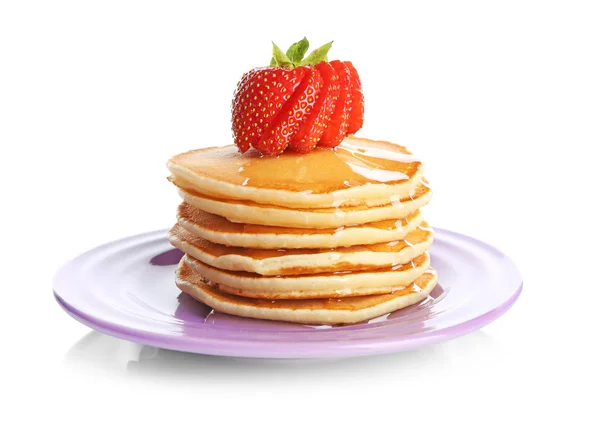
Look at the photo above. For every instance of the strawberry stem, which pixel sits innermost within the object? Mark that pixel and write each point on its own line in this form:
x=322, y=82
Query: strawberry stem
x=294, y=55
x=297, y=50
x=318, y=55
x=280, y=59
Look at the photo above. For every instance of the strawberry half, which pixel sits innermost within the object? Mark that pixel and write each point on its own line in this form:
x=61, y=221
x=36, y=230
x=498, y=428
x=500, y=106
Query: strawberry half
x=297, y=103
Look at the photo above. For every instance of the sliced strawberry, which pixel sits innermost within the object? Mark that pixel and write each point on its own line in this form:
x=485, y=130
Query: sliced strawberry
x=357, y=113
x=278, y=133
x=297, y=102
x=312, y=127
x=338, y=126
x=260, y=96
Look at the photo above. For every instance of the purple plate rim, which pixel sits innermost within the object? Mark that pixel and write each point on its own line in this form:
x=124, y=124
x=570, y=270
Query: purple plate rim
x=184, y=343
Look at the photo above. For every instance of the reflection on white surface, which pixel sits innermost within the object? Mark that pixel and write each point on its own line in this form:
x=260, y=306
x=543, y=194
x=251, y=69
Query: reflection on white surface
x=97, y=351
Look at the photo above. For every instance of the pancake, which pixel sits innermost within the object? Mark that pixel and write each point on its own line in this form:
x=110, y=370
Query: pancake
x=331, y=310
x=358, y=172
x=219, y=230
x=268, y=215
x=303, y=261
x=342, y=284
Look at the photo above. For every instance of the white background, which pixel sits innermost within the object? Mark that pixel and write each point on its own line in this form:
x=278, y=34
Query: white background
x=500, y=99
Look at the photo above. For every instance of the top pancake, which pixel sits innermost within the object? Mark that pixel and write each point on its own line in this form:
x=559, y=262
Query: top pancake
x=357, y=172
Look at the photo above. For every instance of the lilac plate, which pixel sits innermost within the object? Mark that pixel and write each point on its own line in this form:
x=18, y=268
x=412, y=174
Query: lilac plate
x=126, y=289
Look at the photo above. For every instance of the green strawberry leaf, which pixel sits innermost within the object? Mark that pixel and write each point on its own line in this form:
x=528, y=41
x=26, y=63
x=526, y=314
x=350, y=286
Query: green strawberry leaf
x=279, y=58
x=297, y=50
x=318, y=55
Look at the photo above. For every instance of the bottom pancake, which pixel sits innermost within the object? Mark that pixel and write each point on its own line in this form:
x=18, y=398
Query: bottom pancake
x=308, y=311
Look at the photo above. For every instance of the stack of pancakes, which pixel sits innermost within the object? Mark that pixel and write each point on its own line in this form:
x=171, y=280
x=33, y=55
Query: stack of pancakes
x=330, y=237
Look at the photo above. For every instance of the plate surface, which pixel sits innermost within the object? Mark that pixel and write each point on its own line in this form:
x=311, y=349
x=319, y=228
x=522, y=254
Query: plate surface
x=126, y=289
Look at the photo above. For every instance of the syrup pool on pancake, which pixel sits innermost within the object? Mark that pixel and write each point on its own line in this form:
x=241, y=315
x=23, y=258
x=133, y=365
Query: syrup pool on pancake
x=358, y=171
